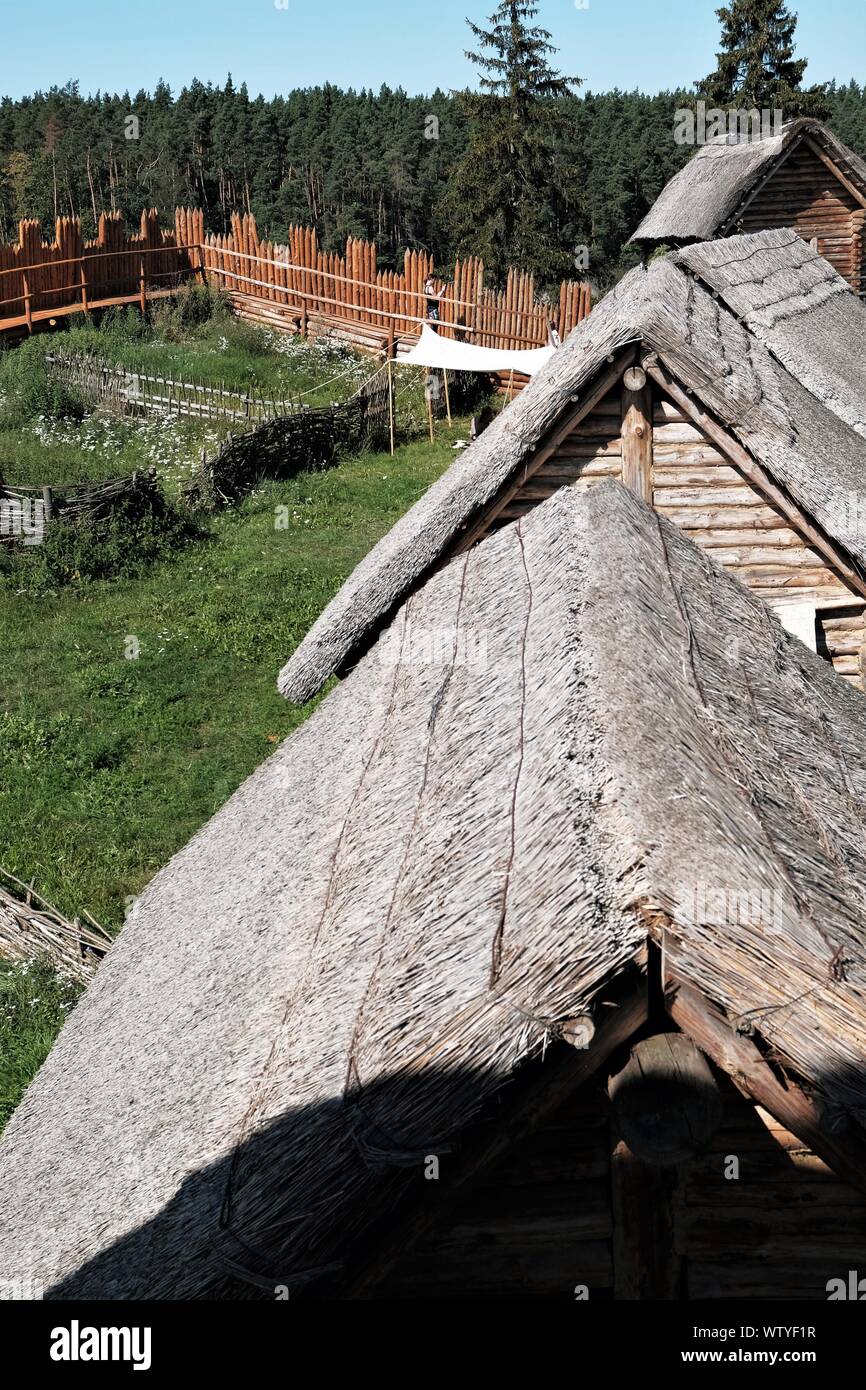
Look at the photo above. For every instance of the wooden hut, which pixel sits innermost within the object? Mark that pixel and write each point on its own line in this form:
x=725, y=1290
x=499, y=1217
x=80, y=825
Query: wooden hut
x=719, y=383
x=581, y=815
x=803, y=177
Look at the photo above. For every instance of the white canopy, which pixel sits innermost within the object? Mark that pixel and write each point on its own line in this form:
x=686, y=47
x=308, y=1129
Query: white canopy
x=431, y=350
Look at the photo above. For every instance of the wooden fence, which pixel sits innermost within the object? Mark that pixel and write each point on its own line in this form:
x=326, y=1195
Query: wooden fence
x=105, y=383
x=293, y=287
x=39, y=279
x=310, y=291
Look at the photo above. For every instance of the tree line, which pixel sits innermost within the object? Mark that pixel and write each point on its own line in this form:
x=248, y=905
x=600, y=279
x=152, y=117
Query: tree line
x=531, y=169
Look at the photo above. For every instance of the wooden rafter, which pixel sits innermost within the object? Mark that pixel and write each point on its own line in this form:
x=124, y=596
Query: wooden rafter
x=758, y=186
x=856, y=193
x=708, y=1027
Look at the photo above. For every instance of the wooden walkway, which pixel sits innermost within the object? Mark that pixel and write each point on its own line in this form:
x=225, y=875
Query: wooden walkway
x=19, y=325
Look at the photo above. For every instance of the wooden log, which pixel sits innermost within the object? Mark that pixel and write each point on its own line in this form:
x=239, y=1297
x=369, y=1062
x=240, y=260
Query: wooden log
x=666, y=1101
x=707, y=1026
x=646, y=1264
x=637, y=433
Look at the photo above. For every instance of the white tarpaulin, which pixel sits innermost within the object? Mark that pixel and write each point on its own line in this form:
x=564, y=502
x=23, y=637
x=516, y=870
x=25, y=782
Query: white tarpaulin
x=433, y=351
x=799, y=619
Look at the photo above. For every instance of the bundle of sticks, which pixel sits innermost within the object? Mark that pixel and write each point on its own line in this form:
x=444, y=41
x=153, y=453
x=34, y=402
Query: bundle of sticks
x=30, y=928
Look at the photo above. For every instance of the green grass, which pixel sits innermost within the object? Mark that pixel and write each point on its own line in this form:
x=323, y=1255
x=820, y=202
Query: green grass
x=196, y=337
x=56, y=452
x=111, y=763
x=43, y=440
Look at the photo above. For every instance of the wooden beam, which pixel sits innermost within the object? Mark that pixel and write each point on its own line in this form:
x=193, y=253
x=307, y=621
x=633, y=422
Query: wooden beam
x=856, y=193
x=637, y=433
x=758, y=475
x=707, y=1026
x=644, y=1201
x=531, y=1099
x=543, y=451
x=665, y=1100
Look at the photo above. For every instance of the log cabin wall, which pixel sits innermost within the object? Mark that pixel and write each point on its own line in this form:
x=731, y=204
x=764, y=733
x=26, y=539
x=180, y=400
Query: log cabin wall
x=537, y=1225
x=698, y=487
x=757, y=1215
x=782, y=1228
x=804, y=193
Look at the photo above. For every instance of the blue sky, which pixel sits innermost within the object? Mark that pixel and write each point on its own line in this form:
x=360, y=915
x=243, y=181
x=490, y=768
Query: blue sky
x=119, y=44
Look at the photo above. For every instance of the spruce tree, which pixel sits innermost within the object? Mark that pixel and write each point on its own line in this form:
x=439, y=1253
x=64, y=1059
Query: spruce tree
x=507, y=196
x=756, y=67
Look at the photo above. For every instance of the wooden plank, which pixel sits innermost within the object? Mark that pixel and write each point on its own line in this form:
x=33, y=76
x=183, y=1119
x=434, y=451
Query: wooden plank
x=545, y=1270
x=757, y=517
x=781, y=536
x=674, y=467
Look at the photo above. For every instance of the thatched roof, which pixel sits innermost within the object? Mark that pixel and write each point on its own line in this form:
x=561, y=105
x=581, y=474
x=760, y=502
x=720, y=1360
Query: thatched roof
x=702, y=200
x=798, y=306
x=563, y=735
x=809, y=450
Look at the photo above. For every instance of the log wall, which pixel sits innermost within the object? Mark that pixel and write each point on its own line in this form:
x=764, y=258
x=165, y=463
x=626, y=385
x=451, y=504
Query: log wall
x=782, y=1229
x=535, y=1226
x=805, y=194
x=697, y=487
x=545, y=1220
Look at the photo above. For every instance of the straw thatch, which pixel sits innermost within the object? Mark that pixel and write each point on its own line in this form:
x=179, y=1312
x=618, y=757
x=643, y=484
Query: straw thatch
x=798, y=306
x=793, y=433
x=425, y=882
x=702, y=200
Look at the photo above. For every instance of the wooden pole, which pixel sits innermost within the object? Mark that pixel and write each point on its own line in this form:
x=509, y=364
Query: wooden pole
x=510, y=384
x=447, y=397
x=429, y=403
x=391, y=402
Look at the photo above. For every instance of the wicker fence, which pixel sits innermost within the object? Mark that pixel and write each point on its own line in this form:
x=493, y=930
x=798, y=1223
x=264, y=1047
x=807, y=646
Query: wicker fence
x=26, y=512
x=310, y=438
